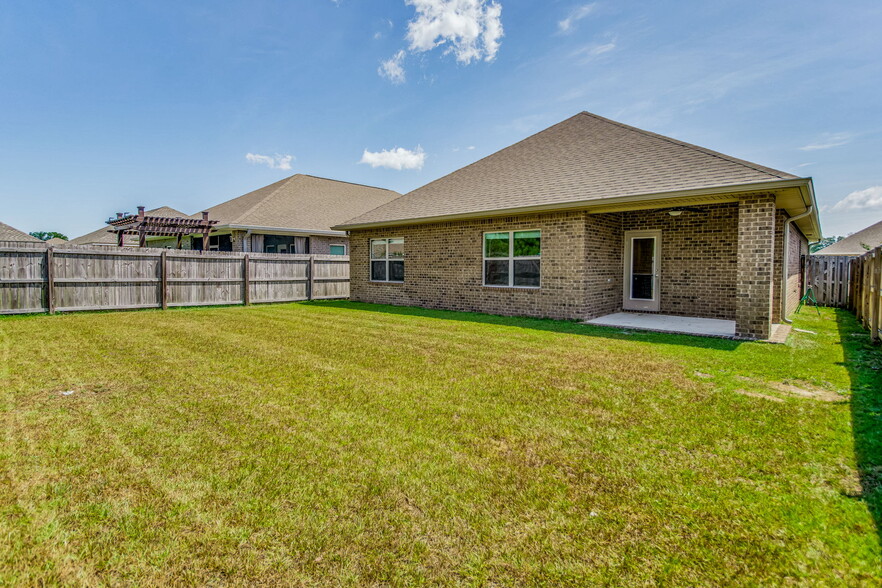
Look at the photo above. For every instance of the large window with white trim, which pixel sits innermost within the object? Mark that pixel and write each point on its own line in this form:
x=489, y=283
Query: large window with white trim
x=512, y=259
x=387, y=260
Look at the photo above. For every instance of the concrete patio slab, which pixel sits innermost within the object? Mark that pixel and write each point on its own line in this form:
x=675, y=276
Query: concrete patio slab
x=667, y=324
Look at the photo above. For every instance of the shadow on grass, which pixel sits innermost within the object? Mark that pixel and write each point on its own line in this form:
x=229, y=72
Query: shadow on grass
x=864, y=363
x=551, y=325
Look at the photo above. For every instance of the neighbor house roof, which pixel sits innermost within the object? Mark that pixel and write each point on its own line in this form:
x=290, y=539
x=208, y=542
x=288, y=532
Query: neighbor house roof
x=856, y=243
x=8, y=233
x=582, y=160
x=299, y=203
x=56, y=241
x=103, y=236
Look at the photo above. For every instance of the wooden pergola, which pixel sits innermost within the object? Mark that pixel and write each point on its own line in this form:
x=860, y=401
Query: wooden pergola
x=162, y=226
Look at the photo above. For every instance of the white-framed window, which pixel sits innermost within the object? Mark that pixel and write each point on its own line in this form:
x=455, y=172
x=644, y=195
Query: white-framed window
x=512, y=259
x=338, y=249
x=387, y=260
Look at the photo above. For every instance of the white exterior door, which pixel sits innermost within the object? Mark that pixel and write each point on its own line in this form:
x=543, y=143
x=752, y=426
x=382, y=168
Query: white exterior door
x=642, y=270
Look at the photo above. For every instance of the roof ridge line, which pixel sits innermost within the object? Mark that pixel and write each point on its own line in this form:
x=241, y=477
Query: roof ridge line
x=706, y=151
x=345, y=182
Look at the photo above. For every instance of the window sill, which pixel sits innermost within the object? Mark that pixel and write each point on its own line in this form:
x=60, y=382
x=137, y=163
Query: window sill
x=384, y=282
x=511, y=287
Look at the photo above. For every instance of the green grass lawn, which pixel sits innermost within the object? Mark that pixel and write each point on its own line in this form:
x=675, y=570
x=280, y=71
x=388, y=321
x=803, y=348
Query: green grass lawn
x=339, y=443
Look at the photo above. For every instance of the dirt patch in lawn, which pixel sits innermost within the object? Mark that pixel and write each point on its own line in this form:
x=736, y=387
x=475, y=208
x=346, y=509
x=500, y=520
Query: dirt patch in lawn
x=806, y=390
x=759, y=395
x=794, y=388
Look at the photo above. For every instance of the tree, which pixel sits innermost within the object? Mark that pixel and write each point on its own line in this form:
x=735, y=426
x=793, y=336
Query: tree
x=826, y=241
x=46, y=235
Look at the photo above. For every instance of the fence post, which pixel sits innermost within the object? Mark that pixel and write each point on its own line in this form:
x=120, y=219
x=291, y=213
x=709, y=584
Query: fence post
x=163, y=280
x=311, y=286
x=859, y=289
x=246, y=280
x=877, y=283
x=50, y=280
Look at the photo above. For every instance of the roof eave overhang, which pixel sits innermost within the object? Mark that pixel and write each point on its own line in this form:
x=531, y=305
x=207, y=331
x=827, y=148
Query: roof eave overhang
x=810, y=225
x=283, y=230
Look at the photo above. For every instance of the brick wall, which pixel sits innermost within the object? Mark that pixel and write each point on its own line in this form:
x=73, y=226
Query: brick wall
x=715, y=264
x=798, y=248
x=320, y=244
x=756, y=249
x=604, y=269
x=443, y=267
x=699, y=258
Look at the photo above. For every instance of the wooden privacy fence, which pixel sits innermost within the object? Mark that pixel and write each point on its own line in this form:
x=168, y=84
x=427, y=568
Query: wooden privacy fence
x=866, y=291
x=829, y=277
x=46, y=279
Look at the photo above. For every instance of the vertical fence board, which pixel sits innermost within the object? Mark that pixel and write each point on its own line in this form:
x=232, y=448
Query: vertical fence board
x=830, y=279
x=71, y=278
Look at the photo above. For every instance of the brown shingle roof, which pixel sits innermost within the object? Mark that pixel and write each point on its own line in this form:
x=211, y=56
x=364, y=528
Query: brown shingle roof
x=8, y=233
x=300, y=202
x=856, y=243
x=103, y=237
x=583, y=158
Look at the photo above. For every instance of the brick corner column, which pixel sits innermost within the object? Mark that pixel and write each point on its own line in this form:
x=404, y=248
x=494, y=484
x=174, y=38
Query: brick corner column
x=756, y=263
x=238, y=238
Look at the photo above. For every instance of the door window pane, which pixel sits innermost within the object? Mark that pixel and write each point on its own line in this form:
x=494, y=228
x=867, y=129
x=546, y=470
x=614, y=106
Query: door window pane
x=526, y=272
x=641, y=287
x=496, y=272
x=526, y=244
x=496, y=244
x=378, y=270
x=642, y=266
x=642, y=253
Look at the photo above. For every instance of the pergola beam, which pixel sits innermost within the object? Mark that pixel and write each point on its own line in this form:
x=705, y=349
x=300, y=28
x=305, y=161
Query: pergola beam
x=144, y=226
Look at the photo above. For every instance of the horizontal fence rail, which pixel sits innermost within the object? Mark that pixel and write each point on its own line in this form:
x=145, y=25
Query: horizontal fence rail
x=866, y=291
x=829, y=277
x=35, y=278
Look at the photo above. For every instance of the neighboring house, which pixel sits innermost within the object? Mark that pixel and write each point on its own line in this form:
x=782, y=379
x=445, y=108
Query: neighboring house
x=106, y=237
x=13, y=235
x=56, y=241
x=591, y=217
x=856, y=243
x=294, y=215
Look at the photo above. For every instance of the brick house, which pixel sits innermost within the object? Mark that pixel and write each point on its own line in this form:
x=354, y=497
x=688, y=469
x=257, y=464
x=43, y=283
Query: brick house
x=293, y=215
x=588, y=218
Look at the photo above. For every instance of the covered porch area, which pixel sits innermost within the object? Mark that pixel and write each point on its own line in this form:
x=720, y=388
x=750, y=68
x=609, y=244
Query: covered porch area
x=666, y=323
x=706, y=268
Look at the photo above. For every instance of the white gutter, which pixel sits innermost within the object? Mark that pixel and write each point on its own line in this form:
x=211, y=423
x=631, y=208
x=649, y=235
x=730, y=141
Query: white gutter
x=808, y=210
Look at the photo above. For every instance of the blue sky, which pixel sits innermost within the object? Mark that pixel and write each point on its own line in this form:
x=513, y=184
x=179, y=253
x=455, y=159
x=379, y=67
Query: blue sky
x=107, y=105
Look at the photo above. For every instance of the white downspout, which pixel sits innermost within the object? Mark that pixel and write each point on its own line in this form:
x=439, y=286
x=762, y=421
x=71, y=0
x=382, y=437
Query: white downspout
x=786, y=259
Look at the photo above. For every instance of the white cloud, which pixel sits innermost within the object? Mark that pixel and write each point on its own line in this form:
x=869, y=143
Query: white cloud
x=271, y=161
x=470, y=147
x=591, y=52
x=471, y=29
x=860, y=200
x=827, y=140
x=392, y=70
x=576, y=14
x=398, y=158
